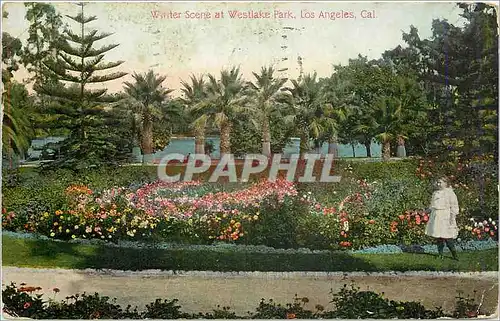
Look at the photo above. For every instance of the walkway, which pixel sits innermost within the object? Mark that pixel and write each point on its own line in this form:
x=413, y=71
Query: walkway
x=203, y=291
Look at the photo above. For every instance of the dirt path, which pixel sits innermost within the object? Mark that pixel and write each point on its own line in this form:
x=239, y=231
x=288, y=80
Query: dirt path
x=201, y=292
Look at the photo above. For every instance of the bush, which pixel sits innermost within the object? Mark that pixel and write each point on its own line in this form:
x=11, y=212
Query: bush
x=278, y=224
x=351, y=303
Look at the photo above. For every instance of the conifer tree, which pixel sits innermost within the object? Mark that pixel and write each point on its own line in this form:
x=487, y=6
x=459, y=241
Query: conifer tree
x=93, y=138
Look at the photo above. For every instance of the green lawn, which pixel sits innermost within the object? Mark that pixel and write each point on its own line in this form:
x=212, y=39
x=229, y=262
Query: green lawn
x=43, y=253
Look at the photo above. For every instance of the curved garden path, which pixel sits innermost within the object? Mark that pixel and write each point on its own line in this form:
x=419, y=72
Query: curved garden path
x=199, y=291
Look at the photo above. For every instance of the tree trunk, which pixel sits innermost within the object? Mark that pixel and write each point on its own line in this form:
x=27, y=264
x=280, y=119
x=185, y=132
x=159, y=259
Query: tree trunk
x=401, y=151
x=353, y=150
x=147, y=137
x=266, y=138
x=304, y=144
x=199, y=141
x=333, y=147
x=386, y=153
x=225, y=139
x=368, y=146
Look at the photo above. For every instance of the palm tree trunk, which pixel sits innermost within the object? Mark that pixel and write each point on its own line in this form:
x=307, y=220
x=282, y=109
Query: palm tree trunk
x=401, y=151
x=333, y=147
x=147, y=138
x=225, y=138
x=386, y=154
x=266, y=138
x=368, y=146
x=199, y=141
x=304, y=144
x=353, y=150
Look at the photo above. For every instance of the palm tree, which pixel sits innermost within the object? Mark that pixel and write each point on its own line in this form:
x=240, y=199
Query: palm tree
x=16, y=128
x=309, y=110
x=149, y=95
x=224, y=99
x=339, y=98
x=266, y=92
x=385, y=119
x=195, y=93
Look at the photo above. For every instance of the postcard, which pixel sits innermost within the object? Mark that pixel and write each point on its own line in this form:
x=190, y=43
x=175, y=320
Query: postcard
x=249, y=160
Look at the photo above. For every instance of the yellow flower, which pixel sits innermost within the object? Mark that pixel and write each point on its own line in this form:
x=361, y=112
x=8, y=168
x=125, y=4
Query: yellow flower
x=224, y=215
x=73, y=236
x=60, y=228
x=52, y=234
x=238, y=224
x=255, y=217
x=232, y=222
x=62, y=217
x=59, y=212
x=67, y=230
x=45, y=214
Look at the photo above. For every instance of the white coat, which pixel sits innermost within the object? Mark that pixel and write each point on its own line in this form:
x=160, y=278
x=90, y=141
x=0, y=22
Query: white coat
x=444, y=210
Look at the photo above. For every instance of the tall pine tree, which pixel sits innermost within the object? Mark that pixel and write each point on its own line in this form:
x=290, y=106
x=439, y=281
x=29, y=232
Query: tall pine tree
x=94, y=139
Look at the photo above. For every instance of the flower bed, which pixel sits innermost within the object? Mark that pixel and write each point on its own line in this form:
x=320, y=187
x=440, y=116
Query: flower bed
x=277, y=214
x=348, y=303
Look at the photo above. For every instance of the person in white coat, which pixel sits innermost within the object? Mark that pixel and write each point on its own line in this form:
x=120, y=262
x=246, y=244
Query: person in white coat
x=442, y=223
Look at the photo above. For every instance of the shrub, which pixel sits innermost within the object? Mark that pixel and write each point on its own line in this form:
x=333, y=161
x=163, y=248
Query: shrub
x=351, y=303
x=277, y=225
x=164, y=309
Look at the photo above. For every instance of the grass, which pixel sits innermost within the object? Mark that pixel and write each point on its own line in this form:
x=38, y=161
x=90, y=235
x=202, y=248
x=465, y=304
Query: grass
x=50, y=254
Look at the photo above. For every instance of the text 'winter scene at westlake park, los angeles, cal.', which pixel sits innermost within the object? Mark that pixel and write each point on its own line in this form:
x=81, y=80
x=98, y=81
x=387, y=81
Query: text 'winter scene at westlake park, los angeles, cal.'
x=250, y=160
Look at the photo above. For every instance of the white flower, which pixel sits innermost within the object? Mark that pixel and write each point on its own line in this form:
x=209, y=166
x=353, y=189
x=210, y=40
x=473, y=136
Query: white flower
x=471, y=219
x=480, y=224
x=493, y=223
x=475, y=224
x=490, y=219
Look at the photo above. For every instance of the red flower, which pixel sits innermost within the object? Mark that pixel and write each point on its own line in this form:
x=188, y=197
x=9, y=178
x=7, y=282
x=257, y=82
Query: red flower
x=27, y=305
x=290, y=315
x=371, y=221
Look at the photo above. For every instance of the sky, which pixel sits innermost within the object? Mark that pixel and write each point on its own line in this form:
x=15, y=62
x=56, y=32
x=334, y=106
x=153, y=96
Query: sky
x=182, y=40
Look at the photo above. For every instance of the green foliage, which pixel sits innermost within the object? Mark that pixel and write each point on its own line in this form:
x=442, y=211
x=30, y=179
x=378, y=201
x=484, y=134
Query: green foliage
x=277, y=225
x=164, y=309
x=355, y=304
x=18, y=117
x=459, y=69
x=43, y=35
x=11, y=51
x=93, y=138
x=152, y=110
